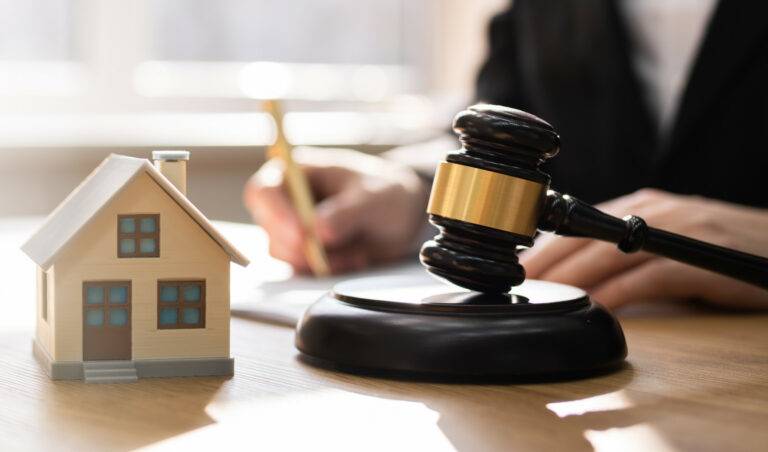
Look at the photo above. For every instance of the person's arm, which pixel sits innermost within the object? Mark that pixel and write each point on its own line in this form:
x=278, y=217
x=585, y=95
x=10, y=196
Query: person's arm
x=615, y=278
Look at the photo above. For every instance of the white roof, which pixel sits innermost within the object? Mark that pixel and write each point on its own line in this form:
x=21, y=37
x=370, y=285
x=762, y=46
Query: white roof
x=87, y=200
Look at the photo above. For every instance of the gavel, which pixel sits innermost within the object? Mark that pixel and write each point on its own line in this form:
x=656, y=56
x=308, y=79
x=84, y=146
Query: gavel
x=490, y=198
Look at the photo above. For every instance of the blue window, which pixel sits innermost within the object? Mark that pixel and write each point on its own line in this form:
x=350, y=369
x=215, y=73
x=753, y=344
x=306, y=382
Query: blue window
x=148, y=225
x=94, y=317
x=138, y=235
x=127, y=225
x=169, y=316
x=106, y=304
x=118, y=316
x=147, y=246
x=94, y=295
x=127, y=246
x=169, y=294
x=118, y=295
x=180, y=304
x=192, y=293
x=191, y=316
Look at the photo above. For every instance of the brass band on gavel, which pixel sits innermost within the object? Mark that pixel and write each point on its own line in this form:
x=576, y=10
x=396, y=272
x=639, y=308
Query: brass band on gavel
x=486, y=198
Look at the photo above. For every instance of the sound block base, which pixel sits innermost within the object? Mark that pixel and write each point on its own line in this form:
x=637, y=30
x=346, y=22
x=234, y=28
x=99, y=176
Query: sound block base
x=416, y=327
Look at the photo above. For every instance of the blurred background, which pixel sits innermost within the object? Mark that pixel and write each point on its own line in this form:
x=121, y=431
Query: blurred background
x=80, y=79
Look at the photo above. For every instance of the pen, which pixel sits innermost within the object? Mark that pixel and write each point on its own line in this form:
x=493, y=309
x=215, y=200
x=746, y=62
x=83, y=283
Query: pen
x=301, y=196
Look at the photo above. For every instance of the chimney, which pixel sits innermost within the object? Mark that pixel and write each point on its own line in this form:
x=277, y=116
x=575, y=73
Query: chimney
x=173, y=165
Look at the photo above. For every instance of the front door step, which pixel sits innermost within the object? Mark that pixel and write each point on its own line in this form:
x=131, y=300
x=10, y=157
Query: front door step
x=109, y=372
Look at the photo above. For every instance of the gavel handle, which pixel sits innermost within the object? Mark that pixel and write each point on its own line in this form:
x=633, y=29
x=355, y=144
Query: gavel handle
x=568, y=216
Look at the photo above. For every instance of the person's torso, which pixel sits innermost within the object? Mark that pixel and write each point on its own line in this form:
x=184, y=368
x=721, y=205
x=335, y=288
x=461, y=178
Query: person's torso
x=573, y=67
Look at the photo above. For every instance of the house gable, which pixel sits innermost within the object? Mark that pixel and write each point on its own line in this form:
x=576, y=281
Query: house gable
x=90, y=197
x=182, y=240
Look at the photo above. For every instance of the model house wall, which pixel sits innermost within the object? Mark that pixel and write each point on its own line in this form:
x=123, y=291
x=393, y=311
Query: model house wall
x=133, y=280
x=44, y=327
x=186, y=253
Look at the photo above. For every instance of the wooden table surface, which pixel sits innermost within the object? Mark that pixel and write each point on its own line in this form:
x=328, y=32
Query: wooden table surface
x=695, y=380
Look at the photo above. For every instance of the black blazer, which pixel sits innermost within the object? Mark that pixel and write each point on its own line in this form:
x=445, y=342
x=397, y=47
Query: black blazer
x=569, y=62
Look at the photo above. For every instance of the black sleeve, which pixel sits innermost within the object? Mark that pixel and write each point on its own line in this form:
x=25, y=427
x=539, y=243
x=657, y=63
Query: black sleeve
x=499, y=80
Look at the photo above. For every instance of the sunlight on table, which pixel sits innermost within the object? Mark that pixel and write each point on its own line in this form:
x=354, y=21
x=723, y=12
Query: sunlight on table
x=640, y=438
x=295, y=422
x=612, y=401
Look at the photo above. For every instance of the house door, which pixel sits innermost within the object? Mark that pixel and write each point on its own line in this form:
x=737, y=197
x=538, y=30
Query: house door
x=106, y=320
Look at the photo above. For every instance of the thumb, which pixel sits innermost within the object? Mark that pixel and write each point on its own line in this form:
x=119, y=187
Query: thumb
x=340, y=218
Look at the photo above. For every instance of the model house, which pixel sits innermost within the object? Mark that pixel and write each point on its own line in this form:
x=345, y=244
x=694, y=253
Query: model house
x=133, y=280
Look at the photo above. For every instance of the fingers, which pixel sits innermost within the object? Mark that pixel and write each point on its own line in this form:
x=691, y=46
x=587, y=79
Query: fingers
x=550, y=251
x=640, y=199
x=585, y=262
x=349, y=258
x=657, y=278
x=338, y=220
x=340, y=260
x=367, y=209
x=292, y=254
x=271, y=208
x=593, y=264
x=547, y=252
x=269, y=205
x=660, y=278
x=616, y=279
x=326, y=181
x=341, y=217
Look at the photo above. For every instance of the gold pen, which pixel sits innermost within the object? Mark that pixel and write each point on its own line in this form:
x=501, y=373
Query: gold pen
x=300, y=193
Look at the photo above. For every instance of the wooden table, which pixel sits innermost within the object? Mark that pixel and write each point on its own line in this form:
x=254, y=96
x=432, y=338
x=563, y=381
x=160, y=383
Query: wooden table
x=695, y=380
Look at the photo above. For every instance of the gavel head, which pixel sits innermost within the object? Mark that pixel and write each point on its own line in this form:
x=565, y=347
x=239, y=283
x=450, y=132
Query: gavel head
x=487, y=198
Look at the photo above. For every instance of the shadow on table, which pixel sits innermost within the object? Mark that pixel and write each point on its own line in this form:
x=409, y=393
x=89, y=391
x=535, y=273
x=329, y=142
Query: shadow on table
x=125, y=416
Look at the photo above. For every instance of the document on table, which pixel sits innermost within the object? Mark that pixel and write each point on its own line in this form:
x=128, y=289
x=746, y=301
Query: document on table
x=283, y=302
x=267, y=290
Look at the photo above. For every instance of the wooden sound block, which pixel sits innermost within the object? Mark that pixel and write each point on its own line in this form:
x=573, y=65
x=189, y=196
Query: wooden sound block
x=414, y=326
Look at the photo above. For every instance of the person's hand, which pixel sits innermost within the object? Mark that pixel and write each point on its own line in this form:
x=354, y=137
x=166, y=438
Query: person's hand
x=369, y=210
x=615, y=278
